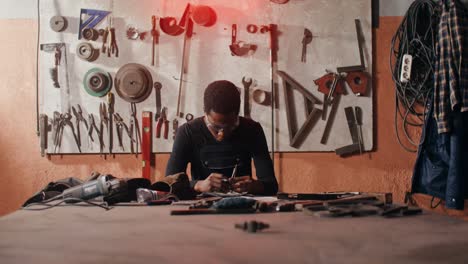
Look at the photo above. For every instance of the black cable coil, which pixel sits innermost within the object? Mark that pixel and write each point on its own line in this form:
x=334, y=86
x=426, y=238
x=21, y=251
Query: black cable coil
x=415, y=36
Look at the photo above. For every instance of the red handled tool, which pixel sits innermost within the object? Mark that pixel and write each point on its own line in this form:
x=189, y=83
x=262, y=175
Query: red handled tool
x=146, y=145
x=162, y=122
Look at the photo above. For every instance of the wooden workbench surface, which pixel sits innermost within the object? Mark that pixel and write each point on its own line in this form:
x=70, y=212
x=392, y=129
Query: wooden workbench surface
x=143, y=234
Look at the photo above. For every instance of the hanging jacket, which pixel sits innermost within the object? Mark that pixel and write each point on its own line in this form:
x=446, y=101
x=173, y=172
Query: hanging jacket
x=441, y=168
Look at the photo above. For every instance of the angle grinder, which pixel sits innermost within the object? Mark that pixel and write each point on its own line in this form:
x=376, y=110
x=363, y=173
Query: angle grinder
x=104, y=185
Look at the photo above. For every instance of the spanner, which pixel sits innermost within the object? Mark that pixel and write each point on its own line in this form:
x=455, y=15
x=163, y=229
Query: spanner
x=247, y=85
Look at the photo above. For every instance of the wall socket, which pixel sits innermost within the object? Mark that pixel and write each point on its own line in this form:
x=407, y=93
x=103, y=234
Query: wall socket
x=406, y=68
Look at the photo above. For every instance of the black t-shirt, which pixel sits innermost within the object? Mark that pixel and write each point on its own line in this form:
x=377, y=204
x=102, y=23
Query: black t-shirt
x=196, y=145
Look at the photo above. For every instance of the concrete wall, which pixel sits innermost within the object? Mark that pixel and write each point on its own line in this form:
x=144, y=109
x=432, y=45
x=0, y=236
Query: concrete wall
x=24, y=171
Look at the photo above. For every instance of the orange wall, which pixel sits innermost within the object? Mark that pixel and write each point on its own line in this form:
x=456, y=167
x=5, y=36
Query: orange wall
x=24, y=171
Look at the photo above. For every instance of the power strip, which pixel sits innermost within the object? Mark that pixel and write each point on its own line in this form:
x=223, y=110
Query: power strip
x=406, y=68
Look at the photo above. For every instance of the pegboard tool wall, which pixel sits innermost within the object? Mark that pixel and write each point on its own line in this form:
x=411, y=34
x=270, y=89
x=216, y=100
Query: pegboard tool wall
x=334, y=44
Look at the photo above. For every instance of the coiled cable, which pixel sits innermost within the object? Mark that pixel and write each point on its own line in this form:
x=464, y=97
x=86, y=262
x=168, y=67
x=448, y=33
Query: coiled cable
x=416, y=36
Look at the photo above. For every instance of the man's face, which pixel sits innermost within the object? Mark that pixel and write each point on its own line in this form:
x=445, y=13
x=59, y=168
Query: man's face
x=221, y=126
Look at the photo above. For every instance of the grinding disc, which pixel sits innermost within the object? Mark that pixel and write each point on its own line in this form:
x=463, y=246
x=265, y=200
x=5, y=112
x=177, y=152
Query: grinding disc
x=133, y=82
x=86, y=51
x=90, y=34
x=58, y=23
x=97, y=82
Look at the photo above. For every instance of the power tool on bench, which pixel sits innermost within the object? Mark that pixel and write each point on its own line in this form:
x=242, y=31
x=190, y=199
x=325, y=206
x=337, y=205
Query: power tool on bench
x=104, y=185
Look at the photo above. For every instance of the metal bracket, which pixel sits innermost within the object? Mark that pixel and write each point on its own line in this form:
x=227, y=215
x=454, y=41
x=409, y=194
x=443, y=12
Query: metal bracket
x=297, y=136
x=354, y=131
x=360, y=39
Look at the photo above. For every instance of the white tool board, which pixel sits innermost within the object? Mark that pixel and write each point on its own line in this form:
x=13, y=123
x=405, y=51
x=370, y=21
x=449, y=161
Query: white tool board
x=334, y=44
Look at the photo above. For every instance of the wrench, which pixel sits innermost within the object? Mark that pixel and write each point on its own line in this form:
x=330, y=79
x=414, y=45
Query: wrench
x=247, y=85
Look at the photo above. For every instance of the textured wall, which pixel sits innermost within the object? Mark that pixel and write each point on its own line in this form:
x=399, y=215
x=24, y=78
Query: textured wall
x=23, y=172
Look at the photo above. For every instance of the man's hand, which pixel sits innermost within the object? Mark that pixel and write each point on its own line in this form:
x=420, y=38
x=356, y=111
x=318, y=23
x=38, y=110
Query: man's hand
x=247, y=184
x=242, y=184
x=211, y=183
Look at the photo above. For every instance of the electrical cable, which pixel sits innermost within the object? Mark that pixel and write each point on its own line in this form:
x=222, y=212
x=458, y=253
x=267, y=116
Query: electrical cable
x=37, y=65
x=416, y=36
x=46, y=204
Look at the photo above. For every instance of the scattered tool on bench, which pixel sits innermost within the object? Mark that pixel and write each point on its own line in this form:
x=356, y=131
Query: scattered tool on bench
x=252, y=226
x=232, y=205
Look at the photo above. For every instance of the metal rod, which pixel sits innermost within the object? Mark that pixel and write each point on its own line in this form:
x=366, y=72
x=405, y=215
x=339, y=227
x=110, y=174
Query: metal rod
x=273, y=29
x=188, y=28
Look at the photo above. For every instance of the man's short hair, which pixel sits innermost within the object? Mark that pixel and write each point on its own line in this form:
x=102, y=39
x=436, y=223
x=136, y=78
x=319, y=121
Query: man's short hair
x=222, y=97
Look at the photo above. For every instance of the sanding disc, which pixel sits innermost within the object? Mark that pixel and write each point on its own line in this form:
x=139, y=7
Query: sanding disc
x=133, y=82
x=86, y=52
x=97, y=82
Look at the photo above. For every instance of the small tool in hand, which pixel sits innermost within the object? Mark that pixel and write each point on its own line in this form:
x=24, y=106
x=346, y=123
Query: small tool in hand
x=234, y=171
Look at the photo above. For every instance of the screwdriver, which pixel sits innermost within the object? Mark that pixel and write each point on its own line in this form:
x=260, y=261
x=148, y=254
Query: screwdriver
x=154, y=34
x=358, y=116
x=110, y=112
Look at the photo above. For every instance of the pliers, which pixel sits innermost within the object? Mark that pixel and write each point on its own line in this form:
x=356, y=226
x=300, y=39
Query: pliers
x=92, y=125
x=134, y=125
x=79, y=118
x=120, y=124
x=162, y=120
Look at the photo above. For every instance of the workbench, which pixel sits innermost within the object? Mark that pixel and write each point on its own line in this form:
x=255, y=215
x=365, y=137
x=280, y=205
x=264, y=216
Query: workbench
x=149, y=234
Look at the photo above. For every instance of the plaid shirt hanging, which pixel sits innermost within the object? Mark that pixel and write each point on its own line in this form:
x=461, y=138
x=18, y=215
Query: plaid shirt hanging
x=451, y=66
